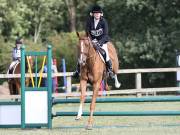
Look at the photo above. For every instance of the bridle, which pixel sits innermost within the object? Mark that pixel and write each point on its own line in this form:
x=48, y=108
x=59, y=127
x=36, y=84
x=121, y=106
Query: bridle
x=82, y=50
x=82, y=46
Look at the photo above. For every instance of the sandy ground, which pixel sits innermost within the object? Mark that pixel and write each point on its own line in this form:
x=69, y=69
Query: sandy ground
x=4, y=90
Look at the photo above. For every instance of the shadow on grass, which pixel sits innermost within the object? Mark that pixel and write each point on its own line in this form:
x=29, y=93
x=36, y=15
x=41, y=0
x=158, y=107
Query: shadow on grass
x=120, y=126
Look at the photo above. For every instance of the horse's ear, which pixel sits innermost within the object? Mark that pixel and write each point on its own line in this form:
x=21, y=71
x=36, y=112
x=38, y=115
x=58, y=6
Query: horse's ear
x=77, y=33
x=87, y=34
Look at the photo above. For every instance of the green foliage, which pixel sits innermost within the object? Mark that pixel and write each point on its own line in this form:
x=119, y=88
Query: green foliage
x=31, y=18
x=39, y=14
x=5, y=55
x=144, y=31
x=64, y=46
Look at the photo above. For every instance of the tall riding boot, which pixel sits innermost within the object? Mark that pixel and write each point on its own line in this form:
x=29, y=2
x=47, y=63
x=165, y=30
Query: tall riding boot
x=109, y=68
x=76, y=73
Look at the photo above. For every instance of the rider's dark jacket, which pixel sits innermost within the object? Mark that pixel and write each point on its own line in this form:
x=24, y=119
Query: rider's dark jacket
x=100, y=32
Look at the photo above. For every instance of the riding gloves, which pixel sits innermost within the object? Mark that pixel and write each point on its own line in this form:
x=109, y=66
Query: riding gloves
x=96, y=45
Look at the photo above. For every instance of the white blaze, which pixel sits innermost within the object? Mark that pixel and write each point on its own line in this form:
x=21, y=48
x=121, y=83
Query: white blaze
x=82, y=50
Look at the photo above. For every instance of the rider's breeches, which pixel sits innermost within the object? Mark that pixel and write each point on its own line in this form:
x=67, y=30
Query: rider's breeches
x=104, y=46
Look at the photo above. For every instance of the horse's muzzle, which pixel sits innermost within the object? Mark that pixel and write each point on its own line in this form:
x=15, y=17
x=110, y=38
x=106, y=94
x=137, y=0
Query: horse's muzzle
x=83, y=63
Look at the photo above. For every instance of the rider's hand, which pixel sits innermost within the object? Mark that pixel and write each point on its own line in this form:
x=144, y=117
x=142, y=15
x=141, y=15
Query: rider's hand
x=96, y=45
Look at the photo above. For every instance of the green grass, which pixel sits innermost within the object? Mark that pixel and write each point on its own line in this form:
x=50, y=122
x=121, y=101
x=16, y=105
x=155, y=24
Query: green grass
x=118, y=125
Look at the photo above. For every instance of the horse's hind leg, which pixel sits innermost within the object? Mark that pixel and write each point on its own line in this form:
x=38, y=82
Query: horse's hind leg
x=10, y=87
x=83, y=85
x=18, y=88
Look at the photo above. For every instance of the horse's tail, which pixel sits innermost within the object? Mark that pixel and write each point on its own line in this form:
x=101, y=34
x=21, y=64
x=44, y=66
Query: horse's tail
x=113, y=56
x=115, y=63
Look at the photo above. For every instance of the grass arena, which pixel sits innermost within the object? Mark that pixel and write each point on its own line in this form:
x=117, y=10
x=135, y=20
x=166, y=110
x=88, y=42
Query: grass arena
x=151, y=114
x=119, y=125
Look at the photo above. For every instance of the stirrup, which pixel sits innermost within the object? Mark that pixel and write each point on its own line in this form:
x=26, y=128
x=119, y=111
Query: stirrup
x=110, y=73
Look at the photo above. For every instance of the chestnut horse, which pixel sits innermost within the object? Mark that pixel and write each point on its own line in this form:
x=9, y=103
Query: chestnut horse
x=14, y=83
x=92, y=68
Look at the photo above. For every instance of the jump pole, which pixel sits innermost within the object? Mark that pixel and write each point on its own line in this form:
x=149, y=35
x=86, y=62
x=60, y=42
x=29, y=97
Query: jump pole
x=122, y=100
x=125, y=113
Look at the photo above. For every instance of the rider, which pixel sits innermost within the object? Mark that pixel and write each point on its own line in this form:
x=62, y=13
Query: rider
x=97, y=29
x=16, y=54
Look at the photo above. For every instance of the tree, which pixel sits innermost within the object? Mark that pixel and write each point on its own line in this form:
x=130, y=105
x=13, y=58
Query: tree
x=39, y=13
x=13, y=20
x=143, y=30
x=72, y=14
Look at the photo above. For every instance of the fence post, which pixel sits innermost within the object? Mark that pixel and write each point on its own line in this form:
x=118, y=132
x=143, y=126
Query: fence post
x=69, y=84
x=138, y=84
x=178, y=72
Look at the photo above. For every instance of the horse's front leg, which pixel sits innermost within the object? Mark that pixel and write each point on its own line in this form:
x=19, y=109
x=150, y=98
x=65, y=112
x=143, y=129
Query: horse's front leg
x=93, y=103
x=83, y=85
x=18, y=86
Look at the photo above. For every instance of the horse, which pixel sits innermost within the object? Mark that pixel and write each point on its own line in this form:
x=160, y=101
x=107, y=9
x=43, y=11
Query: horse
x=93, y=69
x=14, y=83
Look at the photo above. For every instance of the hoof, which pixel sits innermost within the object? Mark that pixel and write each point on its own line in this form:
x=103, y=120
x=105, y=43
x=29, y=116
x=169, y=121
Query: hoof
x=89, y=127
x=78, y=118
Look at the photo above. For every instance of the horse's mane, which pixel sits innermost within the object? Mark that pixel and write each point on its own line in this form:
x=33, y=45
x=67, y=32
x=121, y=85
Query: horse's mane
x=83, y=35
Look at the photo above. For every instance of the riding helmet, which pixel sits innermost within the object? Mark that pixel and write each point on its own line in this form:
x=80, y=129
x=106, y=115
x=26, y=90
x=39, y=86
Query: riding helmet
x=96, y=9
x=19, y=40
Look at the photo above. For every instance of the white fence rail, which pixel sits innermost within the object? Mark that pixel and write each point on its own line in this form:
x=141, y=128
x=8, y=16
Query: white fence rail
x=138, y=81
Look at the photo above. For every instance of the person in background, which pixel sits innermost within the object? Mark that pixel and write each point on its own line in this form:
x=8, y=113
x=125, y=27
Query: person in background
x=54, y=79
x=16, y=53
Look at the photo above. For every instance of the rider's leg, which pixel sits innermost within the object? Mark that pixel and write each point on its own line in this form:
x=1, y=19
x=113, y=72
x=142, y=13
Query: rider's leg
x=108, y=61
x=76, y=73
